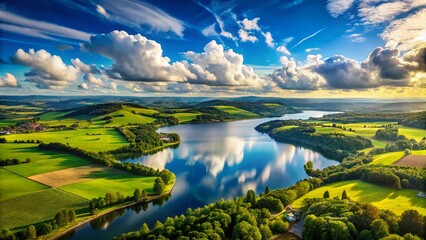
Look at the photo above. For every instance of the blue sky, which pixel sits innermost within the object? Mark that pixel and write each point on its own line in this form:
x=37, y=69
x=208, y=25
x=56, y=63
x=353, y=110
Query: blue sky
x=292, y=48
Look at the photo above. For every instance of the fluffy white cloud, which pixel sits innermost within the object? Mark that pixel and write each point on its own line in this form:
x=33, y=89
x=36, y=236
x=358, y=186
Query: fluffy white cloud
x=268, y=39
x=210, y=30
x=338, y=7
x=215, y=66
x=383, y=67
x=139, y=15
x=292, y=76
x=283, y=49
x=8, y=81
x=407, y=33
x=137, y=58
x=48, y=71
x=245, y=37
x=250, y=24
x=83, y=86
x=92, y=79
x=84, y=67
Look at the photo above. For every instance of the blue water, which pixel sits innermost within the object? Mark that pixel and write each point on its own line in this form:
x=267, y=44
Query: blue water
x=214, y=161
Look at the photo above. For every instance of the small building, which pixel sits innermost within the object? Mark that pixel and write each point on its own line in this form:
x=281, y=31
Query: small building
x=421, y=195
x=291, y=217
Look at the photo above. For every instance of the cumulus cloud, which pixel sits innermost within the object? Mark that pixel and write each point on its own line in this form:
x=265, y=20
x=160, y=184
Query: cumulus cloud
x=84, y=67
x=292, y=76
x=48, y=71
x=210, y=30
x=215, y=66
x=407, y=33
x=383, y=67
x=136, y=58
x=92, y=79
x=83, y=86
x=245, y=37
x=268, y=39
x=283, y=49
x=8, y=81
x=140, y=15
x=250, y=24
x=338, y=7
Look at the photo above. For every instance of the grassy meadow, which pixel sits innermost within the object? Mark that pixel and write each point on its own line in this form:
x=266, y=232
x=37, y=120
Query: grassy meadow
x=237, y=112
x=36, y=207
x=384, y=198
x=93, y=139
x=185, y=117
x=391, y=157
x=13, y=185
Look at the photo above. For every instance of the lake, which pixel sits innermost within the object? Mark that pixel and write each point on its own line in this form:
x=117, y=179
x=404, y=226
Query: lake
x=214, y=161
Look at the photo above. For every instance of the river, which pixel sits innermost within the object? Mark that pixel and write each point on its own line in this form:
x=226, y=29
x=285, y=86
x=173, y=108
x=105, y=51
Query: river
x=214, y=161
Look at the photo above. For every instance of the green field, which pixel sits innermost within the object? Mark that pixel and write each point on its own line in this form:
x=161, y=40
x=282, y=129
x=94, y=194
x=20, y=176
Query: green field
x=391, y=157
x=185, y=117
x=12, y=185
x=385, y=198
x=108, y=139
x=42, y=161
x=124, y=117
x=36, y=207
x=145, y=111
x=125, y=183
x=410, y=133
x=272, y=104
x=238, y=112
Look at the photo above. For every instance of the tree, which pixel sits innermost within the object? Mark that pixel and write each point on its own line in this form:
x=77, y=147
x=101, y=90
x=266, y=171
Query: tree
x=244, y=230
x=326, y=194
x=267, y=190
x=30, y=233
x=137, y=194
x=407, y=152
x=144, y=230
x=159, y=186
x=28, y=160
x=279, y=226
x=412, y=222
x=60, y=219
x=144, y=195
x=365, y=235
x=344, y=195
x=338, y=230
x=7, y=234
x=379, y=229
x=167, y=176
x=251, y=197
x=71, y=215
x=265, y=231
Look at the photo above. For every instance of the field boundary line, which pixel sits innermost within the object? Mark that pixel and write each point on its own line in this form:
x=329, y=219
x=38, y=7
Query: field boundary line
x=26, y=177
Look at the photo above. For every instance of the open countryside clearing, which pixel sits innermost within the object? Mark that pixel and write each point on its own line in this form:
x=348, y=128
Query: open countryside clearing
x=385, y=198
x=12, y=185
x=92, y=139
x=391, y=157
x=412, y=160
x=74, y=175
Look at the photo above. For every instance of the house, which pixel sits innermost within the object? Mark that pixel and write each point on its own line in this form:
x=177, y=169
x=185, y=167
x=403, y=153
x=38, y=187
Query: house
x=291, y=217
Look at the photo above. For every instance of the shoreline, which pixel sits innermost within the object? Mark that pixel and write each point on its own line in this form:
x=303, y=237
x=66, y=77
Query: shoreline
x=106, y=211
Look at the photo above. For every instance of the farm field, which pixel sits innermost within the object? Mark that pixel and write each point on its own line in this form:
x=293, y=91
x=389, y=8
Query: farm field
x=238, y=112
x=415, y=133
x=385, y=198
x=185, y=117
x=86, y=139
x=12, y=185
x=42, y=161
x=391, y=157
x=123, y=117
x=33, y=207
x=124, y=183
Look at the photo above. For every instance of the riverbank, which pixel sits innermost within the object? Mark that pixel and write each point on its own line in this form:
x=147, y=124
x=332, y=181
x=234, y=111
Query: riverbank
x=63, y=231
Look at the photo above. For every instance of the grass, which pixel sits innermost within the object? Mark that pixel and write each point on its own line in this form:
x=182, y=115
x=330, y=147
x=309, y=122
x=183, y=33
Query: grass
x=283, y=128
x=272, y=104
x=12, y=185
x=36, y=207
x=124, y=183
x=185, y=117
x=238, y=112
x=385, y=198
x=410, y=133
x=107, y=140
x=391, y=157
x=42, y=161
x=124, y=117
x=146, y=111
